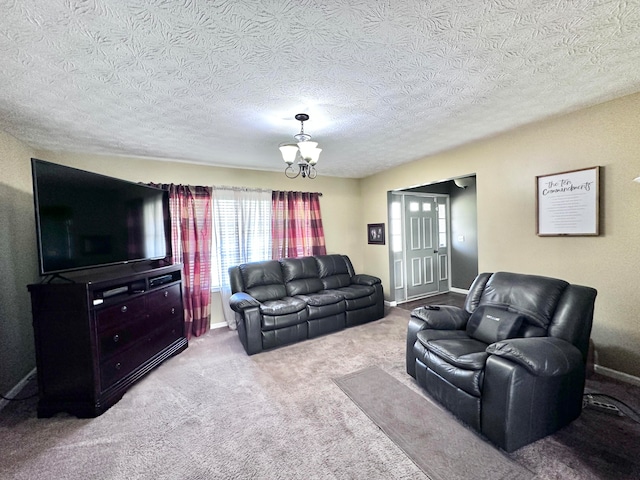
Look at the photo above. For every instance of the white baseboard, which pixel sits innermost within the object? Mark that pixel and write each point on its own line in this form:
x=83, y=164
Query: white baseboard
x=611, y=373
x=394, y=303
x=15, y=391
x=218, y=325
x=459, y=290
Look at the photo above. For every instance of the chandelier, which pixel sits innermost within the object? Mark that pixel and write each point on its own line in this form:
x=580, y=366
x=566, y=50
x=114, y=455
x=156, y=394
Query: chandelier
x=305, y=152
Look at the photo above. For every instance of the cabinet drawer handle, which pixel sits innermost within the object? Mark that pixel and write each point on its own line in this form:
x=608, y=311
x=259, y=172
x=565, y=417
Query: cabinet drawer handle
x=123, y=309
x=166, y=294
x=116, y=338
x=173, y=311
x=118, y=366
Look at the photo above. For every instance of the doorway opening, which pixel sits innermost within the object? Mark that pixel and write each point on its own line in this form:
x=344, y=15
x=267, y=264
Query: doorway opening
x=433, y=239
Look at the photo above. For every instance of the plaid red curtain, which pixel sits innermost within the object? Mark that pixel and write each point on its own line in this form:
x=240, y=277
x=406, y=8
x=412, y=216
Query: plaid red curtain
x=296, y=225
x=191, y=242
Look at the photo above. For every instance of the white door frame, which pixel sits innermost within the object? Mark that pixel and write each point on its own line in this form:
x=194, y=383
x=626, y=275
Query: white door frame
x=393, y=242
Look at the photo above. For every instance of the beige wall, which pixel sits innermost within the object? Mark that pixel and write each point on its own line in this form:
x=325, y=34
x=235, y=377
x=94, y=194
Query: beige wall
x=506, y=167
x=18, y=262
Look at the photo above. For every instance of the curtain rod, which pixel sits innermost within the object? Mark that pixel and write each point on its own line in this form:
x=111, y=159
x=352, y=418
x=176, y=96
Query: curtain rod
x=245, y=189
x=317, y=193
x=242, y=189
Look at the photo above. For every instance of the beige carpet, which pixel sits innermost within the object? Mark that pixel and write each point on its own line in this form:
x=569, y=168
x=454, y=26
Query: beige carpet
x=213, y=412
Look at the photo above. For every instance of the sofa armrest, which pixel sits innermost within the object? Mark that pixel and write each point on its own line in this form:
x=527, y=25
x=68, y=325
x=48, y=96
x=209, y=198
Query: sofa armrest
x=249, y=321
x=532, y=387
x=447, y=317
x=250, y=329
x=364, y=279
x=541, y=356
x=241, y=301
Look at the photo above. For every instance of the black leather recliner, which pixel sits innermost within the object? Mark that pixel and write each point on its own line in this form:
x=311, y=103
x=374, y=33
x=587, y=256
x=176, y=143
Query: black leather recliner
x=511, y=364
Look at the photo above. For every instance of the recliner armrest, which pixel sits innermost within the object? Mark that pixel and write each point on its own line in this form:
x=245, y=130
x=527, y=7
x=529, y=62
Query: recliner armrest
x=364, y=279
x=241, y=301
x=541, y=356
x=447, y=317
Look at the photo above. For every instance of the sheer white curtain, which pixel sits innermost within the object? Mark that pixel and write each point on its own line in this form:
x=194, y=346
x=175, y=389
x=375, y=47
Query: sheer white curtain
x=242, y=233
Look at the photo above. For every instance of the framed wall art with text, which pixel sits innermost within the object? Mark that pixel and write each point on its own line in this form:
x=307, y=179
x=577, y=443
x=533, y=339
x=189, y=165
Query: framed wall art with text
x=568, y=203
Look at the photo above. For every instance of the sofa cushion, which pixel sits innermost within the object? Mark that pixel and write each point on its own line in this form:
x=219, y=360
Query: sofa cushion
x=467, y=353
x=324, y=304
x=301, y=276
x=491, y=324
x=304, y=286
x=300, y=267
x=357, y=296
x=468, y=380
x=353, y=292
x=282, y=306
x=282, y=313
x=535, y=297
x=321, y=298
x=333, y=271
x=263, y=280
x=457, y=358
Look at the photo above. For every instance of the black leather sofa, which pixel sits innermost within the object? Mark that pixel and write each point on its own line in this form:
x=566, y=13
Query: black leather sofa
x=511, y=364
x=284, y=301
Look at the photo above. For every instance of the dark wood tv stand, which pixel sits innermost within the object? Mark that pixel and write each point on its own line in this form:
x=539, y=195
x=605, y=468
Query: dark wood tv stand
x=100, y=332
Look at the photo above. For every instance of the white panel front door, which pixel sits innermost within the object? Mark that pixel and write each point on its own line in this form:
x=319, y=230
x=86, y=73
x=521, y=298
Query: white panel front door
x=421, y=252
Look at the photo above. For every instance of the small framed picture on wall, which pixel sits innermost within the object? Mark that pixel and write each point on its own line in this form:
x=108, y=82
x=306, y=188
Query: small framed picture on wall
x=375, y=233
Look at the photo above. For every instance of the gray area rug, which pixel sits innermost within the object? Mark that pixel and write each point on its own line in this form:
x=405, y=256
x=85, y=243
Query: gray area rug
x=443, y=448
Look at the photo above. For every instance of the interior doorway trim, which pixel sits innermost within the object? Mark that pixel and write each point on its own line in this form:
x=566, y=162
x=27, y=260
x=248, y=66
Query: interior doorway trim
x=422, y=235
x=463, y=229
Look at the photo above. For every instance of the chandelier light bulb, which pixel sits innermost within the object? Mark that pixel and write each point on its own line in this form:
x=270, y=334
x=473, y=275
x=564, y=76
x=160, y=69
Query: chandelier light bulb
x=314, y=155
x=289, y=153
x=306, y=149
x=306, y=152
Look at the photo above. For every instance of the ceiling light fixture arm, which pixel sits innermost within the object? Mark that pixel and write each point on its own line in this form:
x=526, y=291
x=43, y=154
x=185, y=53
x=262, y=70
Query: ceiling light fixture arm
x=304, y=169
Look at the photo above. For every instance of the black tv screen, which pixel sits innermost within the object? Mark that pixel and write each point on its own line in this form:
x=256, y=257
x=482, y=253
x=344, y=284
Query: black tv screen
x=86, y=220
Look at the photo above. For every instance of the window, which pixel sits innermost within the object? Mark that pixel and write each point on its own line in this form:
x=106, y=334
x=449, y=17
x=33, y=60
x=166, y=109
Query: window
x=252, y=225
x=242, y=229
x=442, y=224
x=396, y=227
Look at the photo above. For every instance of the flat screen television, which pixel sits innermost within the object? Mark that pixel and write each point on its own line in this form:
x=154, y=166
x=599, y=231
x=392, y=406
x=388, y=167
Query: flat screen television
x=86, y=220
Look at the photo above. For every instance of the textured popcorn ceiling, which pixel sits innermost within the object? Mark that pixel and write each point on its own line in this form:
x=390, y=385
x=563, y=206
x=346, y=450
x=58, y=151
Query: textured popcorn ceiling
x=385, y=82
